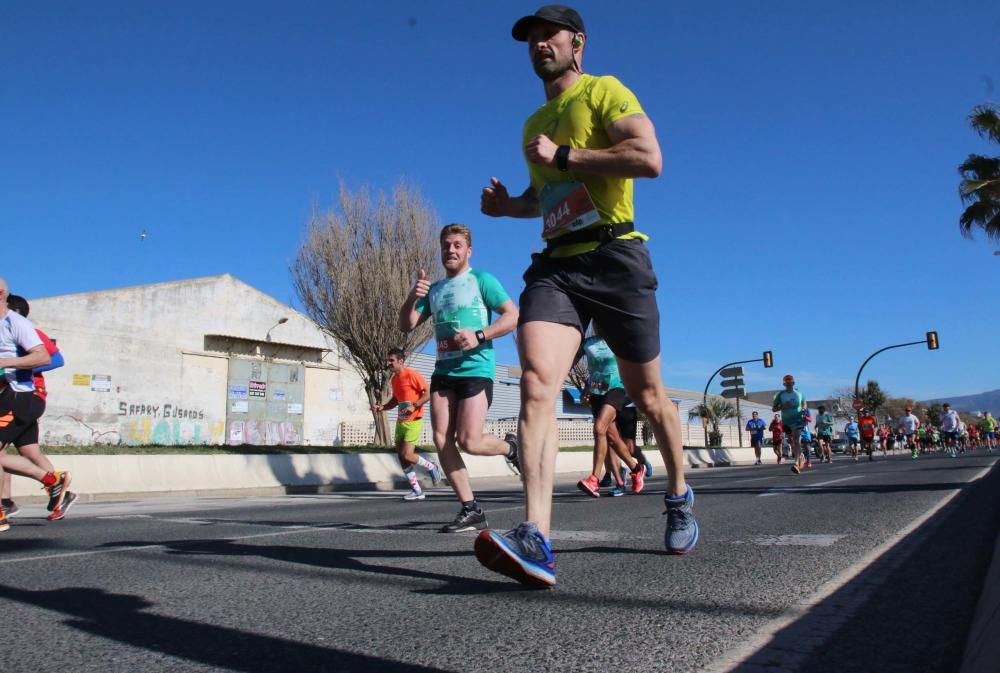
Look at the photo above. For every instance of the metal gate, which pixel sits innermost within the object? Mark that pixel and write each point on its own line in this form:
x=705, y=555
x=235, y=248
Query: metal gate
x=265, y=402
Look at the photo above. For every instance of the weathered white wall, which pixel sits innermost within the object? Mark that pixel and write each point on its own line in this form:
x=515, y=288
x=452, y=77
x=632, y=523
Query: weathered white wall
x=164, y=387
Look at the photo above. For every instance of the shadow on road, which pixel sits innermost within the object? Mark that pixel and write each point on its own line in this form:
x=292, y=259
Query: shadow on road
x=908, y=611
x=123, y=618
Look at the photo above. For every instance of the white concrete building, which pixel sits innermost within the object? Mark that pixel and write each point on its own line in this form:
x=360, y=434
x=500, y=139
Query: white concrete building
x=202, y=361
x=214, y=360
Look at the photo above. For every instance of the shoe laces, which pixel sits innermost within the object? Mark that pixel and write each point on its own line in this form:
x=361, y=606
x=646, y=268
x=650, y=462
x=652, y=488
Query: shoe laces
x=678, y=518
x=528, y=541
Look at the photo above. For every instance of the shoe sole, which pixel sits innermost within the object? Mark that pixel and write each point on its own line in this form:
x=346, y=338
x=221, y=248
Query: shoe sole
x=495, y=556
x=466, y=529
x=4, y=527
x=586, y=489
x=419, y=497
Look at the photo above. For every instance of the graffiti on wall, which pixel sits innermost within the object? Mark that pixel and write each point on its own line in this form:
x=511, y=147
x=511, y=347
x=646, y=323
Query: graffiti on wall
x=263, y=433
x=171, y=432
x=159, y=411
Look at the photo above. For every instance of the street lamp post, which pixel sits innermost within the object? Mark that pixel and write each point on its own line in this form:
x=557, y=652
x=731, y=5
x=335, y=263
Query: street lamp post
x=932, y=344
x=281, y=321
x=768, y=361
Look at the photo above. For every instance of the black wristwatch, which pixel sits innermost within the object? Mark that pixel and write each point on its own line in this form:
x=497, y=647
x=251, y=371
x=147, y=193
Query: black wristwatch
x=562, y=158
x=480, y=335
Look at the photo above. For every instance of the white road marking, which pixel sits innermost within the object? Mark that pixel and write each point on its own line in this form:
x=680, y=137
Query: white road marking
x=795, y=540
x=781, y=490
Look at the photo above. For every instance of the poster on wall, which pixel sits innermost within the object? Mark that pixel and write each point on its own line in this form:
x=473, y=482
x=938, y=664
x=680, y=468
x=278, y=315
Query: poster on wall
x=238, y=392
x=100, y=383
x=278, y=394
x=236, y=432
x=335, y=394
x=81, y=379
x=258, y=389
x=295, y=408
x=240, y=406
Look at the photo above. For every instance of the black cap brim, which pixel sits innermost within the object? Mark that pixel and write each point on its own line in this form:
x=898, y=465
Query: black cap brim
x=523, y=26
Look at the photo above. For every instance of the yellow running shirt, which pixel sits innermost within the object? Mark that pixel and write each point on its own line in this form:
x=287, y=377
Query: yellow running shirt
x=579, y=117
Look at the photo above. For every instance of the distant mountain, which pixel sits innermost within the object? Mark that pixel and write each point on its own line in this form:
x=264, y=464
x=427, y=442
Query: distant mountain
x=971, y=403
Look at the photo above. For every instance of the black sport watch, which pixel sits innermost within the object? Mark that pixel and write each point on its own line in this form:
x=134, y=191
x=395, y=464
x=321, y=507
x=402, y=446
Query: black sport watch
x=481, y=335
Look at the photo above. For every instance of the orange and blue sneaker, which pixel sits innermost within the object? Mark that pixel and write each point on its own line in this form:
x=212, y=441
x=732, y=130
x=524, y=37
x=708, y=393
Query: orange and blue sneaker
x=4, y=524
x=682, y=530
x=58, y=490
x=522, y=554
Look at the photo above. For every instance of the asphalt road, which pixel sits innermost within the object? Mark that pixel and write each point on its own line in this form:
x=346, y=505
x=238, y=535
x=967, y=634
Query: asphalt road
x=849, y=567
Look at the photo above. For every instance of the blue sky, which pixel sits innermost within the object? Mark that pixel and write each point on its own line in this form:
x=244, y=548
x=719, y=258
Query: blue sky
x=808, y=203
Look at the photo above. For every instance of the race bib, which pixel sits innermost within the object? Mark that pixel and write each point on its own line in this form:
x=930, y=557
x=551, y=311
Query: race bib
x=566, y=207
x=447, y=344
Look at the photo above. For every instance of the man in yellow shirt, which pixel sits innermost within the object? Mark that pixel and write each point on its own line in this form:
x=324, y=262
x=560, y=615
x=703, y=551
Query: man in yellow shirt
x=583, y=148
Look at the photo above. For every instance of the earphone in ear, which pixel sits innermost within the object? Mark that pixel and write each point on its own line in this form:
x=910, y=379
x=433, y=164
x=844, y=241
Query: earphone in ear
x=577, y=41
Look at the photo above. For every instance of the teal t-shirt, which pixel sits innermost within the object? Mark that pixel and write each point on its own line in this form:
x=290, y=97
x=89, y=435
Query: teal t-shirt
x=463, y=302
x=824, y=425
x=602, y=365
x=790, y=404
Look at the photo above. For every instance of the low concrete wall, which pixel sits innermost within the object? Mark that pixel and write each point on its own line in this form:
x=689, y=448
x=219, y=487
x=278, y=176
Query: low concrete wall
x=174, y=473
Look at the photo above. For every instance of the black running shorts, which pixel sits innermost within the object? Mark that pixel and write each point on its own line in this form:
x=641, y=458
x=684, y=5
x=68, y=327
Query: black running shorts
x=614, y=398
x=627, y=422
x=464, y=387
x=613, y=285
x=19, y=414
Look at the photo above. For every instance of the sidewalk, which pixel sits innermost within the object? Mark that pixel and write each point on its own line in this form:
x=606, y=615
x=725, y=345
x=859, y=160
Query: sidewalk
x=107, y=476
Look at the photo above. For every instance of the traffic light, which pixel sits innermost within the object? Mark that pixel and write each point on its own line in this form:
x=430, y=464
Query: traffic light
x=768, y=359
x=733, y=384
x=932, y=341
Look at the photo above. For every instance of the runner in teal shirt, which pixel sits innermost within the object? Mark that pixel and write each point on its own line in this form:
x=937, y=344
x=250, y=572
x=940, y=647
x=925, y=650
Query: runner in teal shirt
x=791, y=403
x=461, y=305
x=607, y=399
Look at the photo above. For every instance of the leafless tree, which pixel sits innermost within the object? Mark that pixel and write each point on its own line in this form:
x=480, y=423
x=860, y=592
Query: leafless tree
x=353, y=271
x=579, y=375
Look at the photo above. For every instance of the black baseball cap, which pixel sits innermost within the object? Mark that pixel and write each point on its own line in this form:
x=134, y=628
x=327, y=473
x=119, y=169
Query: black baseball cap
x=561, y=15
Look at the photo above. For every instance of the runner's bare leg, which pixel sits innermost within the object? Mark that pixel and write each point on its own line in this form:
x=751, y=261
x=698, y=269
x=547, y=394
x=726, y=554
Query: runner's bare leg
x=645, y=386
x=444, y=419
x=547, y=351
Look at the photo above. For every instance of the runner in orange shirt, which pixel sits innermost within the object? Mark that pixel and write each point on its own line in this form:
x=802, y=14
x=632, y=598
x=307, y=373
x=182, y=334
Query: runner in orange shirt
x=410, y=393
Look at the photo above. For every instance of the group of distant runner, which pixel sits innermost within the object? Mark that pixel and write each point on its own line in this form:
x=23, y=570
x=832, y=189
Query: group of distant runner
x=864, y=435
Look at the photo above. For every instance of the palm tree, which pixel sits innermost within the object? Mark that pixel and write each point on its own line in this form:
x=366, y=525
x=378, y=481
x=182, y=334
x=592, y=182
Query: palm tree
x=980, y=186
x=715, y=410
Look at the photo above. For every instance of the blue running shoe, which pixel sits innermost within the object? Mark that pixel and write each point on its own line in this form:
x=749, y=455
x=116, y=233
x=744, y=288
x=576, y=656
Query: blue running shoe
x=435, y=473
x=682, y=530
x=522, y=554
x=617, y=491
x=649, y=469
